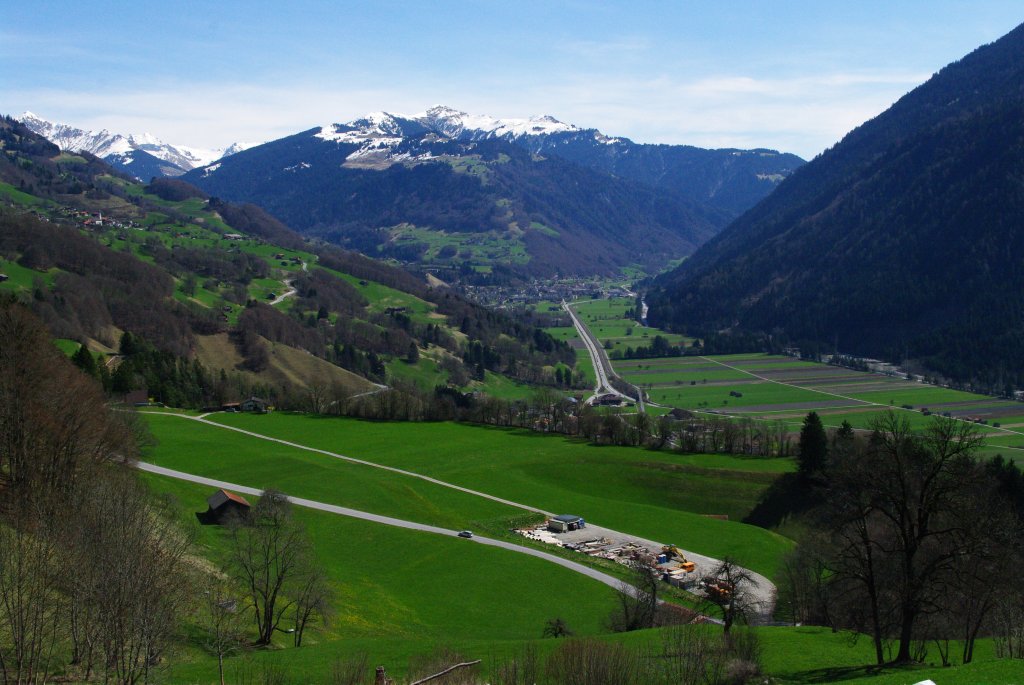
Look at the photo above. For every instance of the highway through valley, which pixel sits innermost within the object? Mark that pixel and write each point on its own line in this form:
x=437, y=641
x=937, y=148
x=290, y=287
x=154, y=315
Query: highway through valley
x=602, y=366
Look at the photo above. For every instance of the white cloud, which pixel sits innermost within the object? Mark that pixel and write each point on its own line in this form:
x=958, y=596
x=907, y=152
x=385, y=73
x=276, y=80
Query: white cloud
x=802, y=114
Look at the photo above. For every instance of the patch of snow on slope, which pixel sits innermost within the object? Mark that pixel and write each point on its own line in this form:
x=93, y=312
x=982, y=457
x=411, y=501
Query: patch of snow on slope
x=454, y=123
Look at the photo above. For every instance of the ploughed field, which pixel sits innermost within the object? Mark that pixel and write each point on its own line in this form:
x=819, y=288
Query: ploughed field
x=785, y=388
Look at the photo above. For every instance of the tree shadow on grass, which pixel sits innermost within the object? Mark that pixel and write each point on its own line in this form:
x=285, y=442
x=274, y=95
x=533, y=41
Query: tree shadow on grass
x=840, y=673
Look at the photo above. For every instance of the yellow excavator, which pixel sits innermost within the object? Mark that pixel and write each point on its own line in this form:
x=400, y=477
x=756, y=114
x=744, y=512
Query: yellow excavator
x=676, y=553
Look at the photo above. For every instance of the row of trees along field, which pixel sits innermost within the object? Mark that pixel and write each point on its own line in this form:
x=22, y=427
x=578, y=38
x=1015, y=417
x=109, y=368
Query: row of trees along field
x=98, y=577
x=908, y=537
x=549, y=410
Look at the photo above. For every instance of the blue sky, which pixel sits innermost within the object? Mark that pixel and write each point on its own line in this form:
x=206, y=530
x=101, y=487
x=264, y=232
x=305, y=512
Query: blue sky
x=791, y=75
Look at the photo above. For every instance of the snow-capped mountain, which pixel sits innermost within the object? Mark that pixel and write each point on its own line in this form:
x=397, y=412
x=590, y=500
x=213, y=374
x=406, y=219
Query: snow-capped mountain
x=382, y=135
x=732, y=180
x=545, y=196
x=141, y=155
x=462, y=126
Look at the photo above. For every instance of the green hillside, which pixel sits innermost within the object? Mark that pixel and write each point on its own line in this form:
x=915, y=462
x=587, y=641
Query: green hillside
x=234, y=289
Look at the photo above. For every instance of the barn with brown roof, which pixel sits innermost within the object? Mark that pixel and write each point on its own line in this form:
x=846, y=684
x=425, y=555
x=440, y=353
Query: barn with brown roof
x=223, y=504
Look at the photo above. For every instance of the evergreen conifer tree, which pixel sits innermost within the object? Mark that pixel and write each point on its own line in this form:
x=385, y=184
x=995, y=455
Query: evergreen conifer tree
x=813, y=445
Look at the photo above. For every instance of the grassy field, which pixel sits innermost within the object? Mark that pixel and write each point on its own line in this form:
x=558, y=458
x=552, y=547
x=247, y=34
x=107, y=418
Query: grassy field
x=658, y=495
x=503, y=387
x=401, y=595
x=401, y=592
x=20, y=278
x=484, y=248
x=608, y=320
x=382, y=297
x=812, y=654
x=12, y=194
x=424, y=374
x=205, y=450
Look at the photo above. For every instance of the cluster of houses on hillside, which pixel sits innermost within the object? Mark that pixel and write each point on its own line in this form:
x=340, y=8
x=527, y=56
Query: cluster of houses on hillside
x=92, y=220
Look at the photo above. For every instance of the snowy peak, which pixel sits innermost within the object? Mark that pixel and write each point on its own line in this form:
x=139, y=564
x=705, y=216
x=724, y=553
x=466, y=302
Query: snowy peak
x=99, y=143
x=387, y=138
x=375, y=127
x=457, y=124
x=117, y=148
x=378, y=127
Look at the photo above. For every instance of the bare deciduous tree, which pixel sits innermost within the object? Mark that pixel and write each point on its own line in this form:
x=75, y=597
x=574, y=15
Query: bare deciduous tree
x=728, y=587
x=30, y=603
x=897, y=512
x=313, y=598
x=222, y=620
x=267, y=552
x=638, y=600
x=135, y=552
x=54, y=424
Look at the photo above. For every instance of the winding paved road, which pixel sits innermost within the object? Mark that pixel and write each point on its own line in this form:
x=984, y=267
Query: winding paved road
x=608, y=580
x=290, y=292
x=764, y=592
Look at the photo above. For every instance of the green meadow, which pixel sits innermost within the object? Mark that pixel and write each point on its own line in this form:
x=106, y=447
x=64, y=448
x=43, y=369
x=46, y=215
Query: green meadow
x=401, y=595
x=401, y=592
x=652, y=494
x=776, y=387
x=200, y=449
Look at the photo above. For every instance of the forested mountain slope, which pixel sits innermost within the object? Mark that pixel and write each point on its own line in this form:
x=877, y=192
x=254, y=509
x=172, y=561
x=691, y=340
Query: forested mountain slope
x=905, y=240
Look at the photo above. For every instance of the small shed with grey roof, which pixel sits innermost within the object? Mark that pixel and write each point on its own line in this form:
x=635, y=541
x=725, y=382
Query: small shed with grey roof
x=563, y=523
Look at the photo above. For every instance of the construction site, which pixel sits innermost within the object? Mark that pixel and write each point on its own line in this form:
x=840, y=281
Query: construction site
x=669, y=562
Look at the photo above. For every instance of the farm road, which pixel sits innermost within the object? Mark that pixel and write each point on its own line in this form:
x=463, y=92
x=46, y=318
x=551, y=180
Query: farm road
x=608, y=580
x=764, y=592
x=290, y=289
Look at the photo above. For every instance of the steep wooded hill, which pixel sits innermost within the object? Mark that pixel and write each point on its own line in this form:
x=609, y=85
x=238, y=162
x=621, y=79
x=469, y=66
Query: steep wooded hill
x=905, y=240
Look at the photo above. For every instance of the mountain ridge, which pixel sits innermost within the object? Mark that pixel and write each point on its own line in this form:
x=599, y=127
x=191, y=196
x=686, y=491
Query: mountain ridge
x=434, y=188
x=132, y=153
x=381, y=134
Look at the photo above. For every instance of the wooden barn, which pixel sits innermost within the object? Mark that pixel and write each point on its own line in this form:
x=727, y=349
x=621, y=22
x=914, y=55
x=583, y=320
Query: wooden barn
x=223, y=504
